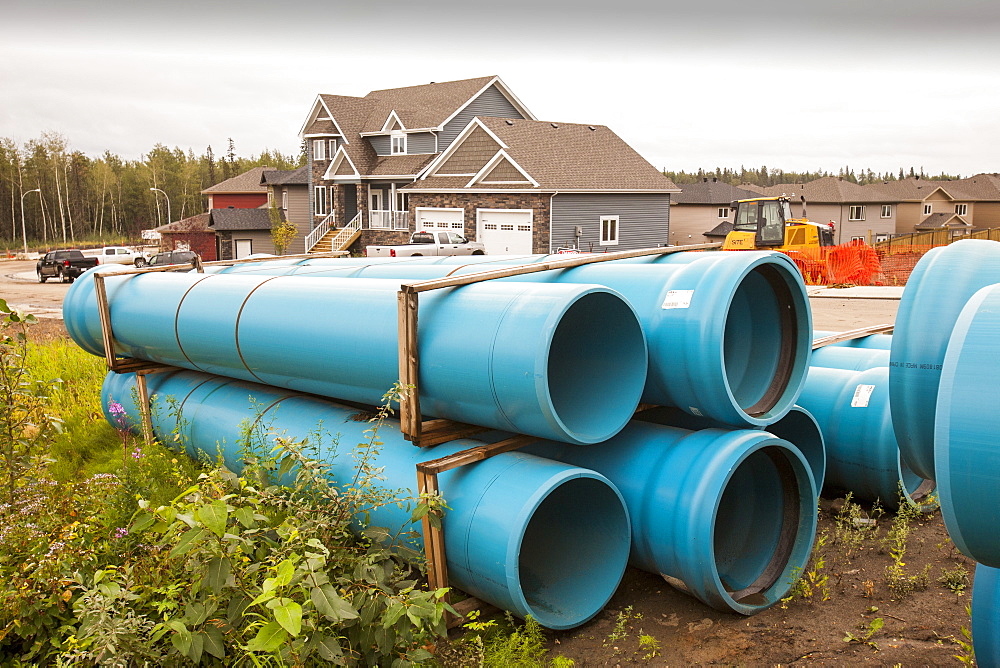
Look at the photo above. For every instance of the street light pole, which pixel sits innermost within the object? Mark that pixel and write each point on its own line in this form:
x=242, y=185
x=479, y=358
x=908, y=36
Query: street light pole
x=24, y=231
x=169, y=217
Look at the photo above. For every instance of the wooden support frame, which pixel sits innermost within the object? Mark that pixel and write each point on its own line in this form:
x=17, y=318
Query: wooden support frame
x=427, y=483
x=858, y=333
x=413, y=428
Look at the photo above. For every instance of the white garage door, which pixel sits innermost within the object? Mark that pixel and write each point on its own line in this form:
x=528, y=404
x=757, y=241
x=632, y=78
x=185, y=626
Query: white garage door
x=505, y=231
x=440, y=219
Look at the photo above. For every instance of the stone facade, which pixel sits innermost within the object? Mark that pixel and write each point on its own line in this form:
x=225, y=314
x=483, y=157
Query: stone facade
x=471, y=201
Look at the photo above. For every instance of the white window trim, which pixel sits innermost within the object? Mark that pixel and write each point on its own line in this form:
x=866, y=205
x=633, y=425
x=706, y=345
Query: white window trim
x=401, y=138
x=724, y=212
x=284, y=200
x=928, y=209
x=961, y=209
x=319, y=149
x=887, y=211
x=612, y=239
x=851, y=211
x=319, y=201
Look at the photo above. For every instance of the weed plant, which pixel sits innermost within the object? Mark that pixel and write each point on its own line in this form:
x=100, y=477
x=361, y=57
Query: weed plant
x=899, y=582
x=854, y=527
x=813, y=584
x=955, y=579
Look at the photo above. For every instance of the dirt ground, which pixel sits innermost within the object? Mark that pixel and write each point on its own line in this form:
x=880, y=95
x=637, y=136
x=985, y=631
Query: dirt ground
x=919, y=628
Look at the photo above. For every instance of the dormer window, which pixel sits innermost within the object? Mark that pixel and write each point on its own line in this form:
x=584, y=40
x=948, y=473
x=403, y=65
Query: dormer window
x=398, y=146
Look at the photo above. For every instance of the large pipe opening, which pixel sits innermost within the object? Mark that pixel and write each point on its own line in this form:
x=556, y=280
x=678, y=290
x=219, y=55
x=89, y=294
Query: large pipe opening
x=598, y=345
x=575, y=532
x=757, y=526
x=761, y=340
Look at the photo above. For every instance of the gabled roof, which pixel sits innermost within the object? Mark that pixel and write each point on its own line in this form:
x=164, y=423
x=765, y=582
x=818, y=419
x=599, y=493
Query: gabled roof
x=912, y=189
x=240, y=219
x=828, y=190
x=710, y=191
x=196, y=223
x=286, y=177
x=981, y=187
x=247, y=182
x=558, y=156
x=936, y=221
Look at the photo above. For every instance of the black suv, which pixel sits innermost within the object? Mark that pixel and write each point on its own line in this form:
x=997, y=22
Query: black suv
x=172, y=257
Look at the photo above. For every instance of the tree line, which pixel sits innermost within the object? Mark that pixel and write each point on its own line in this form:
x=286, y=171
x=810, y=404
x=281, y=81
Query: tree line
x=774, y=176
x=81, y=197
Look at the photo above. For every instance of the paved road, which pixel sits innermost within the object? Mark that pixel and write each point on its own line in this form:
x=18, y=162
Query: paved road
x=21, y=289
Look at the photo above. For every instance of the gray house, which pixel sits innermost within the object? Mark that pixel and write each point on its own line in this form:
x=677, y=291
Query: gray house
x=468, y=156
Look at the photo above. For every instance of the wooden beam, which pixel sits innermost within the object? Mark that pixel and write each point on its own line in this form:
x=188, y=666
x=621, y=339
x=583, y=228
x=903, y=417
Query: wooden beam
x=562, y=263
x=145, y=410
x=104, y=313
x=849, y=335
x=472, y=455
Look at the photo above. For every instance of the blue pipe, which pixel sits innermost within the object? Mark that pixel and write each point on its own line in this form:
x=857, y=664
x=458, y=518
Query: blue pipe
x=728, y=516
x=566, y=362
x=986, y=616
x=729, y=333
x=852, y=409
x=848, y=358
x=798, y=427
x=524, y=533
x=878, y=341
x=967, y=458
x=940, y=285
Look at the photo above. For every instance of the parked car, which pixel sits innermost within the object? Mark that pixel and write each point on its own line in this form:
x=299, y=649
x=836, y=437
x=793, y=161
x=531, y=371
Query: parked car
x=172, y=257
x=429, y=243
x=65, y=265
x=122, y=255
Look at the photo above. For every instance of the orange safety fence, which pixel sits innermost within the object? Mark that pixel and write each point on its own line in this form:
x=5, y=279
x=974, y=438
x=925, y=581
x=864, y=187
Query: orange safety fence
x=857, y=263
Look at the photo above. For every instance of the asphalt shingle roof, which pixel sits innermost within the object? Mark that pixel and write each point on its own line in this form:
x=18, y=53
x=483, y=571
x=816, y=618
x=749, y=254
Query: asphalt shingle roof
x=240, y=219
x=247, y=182
x=566, y=156
x=710, y=192
x=196, y=223
x=286, y=177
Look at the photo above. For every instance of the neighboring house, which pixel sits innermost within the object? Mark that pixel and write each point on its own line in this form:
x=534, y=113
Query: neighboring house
x=959, y=204
x=192, y=233
x=289, y=190
x=244, y=191
x=857, y=212
x=468, y=156
x=241, y=232
x=701, y=212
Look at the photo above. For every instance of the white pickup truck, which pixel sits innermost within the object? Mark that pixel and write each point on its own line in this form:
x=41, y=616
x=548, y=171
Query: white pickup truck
x=429, y=243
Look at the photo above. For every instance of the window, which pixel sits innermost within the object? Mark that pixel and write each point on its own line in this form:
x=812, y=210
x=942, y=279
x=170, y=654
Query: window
x=284, y=200
x=857, y=212
x=270, y=198
x=887, y=211
x=398, y=143
x=320, y=202
x=881, y=237
x=928, y=209
x=333, y=148
x=857, y=239
x=319, y=149
x=723, y=212
x=609, y=230
x=962, y=209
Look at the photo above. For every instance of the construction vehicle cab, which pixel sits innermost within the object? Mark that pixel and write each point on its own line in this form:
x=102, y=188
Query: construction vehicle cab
x=766, y=222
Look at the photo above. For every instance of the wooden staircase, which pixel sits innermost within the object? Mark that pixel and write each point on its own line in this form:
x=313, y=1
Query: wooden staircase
x=339, y=239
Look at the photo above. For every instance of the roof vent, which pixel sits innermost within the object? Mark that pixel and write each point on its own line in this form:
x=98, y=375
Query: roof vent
x=592, y=128
x=510, y=122
x=553, y=125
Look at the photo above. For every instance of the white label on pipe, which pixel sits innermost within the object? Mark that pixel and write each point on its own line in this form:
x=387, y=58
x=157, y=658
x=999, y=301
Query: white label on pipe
x=678, y=299
x=862, y=394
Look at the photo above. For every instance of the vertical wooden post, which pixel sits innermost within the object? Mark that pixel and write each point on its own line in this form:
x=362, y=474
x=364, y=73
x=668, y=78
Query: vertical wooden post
x=144, y=408
x=437, y=568
x=409, y=364
x=104, y=312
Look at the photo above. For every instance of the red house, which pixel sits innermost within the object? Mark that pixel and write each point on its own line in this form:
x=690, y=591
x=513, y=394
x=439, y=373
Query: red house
x=244, y=191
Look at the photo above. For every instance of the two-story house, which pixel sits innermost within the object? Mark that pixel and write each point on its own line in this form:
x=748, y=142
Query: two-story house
x=701, y=212
x=470, y=157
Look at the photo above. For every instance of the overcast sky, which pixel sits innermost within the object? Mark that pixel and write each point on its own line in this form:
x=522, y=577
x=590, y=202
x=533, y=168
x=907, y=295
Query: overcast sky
x=803, y=85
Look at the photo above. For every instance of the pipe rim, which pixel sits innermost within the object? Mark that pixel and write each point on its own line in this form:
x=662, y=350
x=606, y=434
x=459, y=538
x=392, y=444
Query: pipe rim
x=615, y=549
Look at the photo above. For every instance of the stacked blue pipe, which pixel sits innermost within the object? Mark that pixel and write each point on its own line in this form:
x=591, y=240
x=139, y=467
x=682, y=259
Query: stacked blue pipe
x=729, y=333
x=561, y=361
x=967, y=458
x=986, y=616
x=942, y=282
x=729, y=515
x=876, y=341
x=863, y=457
x=524, y=533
